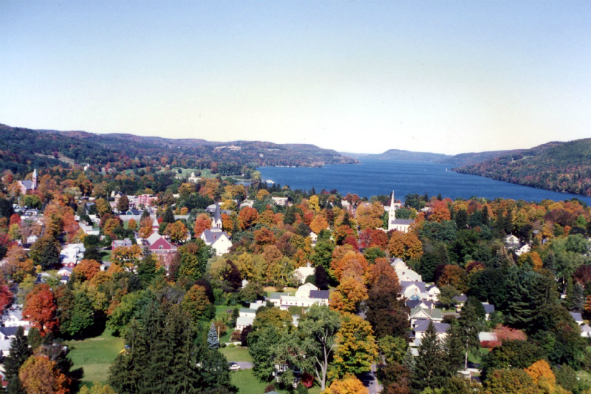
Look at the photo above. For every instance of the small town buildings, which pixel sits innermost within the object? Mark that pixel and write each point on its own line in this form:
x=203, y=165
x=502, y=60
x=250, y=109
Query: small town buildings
x=215, y=237
x=14, y=318
x=586, y=331
x=524, y=249
x=489, y=310
x=304, y=290
x=121, y=242
x=511, y=241
x=401, y=225
x=247, y=203
x=419, y=291
x=161, y=247
x=243, y=321
x=71, y=254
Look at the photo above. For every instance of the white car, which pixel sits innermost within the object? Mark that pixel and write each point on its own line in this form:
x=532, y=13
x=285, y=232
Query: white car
x=234, y=367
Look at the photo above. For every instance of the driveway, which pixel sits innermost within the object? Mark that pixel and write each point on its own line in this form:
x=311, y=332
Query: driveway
x=243, y=364
x=370, y=380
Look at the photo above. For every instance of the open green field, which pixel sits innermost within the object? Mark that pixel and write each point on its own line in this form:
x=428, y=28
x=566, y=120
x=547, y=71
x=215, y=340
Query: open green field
x=247, y=383
x=95, y=355
x=235, y=353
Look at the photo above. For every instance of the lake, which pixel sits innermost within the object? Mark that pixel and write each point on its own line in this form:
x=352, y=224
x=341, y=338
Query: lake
x=381, y=177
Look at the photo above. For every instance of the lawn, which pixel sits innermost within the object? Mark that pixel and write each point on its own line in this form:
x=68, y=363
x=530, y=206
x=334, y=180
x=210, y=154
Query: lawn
x=477, y=358
x=95, y=355
x=235, y=353
x=247, y=383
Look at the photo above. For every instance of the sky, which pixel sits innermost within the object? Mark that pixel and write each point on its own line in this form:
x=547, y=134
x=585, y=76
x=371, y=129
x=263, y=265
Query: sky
x=355, y=76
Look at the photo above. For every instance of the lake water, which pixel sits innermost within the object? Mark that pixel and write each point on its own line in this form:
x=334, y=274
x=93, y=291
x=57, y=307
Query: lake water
x=381, y=177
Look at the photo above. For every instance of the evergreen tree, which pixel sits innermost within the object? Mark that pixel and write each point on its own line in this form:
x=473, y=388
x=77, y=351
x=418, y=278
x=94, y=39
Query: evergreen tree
x=578, y=298
x=19, y=353
x=212, y=338
x=461, y=219
x=429, y=369
x=123, y=203
x=321, y=278
x=145, y=214
x=168, y=216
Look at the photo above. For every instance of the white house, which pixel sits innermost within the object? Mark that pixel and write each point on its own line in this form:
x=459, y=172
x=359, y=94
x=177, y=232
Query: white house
x=304, y=290
x=243, y=312
x=281, y=201
x=511, y=241
x=405, y=274
x=72, y=253
x=421, y=328
x=193, y=178
x=302, y=273
x=585, y=331
x=577, y=317
x=246, y=203
x=524, y=249
x=14, y=318
x=419, y=314
x=243, y=321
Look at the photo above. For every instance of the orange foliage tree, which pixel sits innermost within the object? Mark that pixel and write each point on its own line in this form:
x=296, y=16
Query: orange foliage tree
x=352, y=264
x=41, y=309
x=248, y=217
x=318, y=224
x=202, y=223
x=348, y=295
x=87, y=269
x=382, y=268
x=455, y=276
x=40, y=375
x=146, y=227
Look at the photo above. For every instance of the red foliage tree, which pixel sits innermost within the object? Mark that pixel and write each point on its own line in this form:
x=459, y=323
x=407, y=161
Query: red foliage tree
x=15, y=219
x=5, y=297
x=41, y=309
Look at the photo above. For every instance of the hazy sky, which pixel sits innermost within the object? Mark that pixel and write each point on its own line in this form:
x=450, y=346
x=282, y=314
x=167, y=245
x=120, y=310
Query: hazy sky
x=362, y=76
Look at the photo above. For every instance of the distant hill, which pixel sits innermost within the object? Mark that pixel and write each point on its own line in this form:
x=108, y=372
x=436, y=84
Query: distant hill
x=475, y=157
x=558, y=166
x=400, y=155
x=23, y=149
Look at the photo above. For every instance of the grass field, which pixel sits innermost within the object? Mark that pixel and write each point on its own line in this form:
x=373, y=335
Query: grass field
x=247, y=383
x=235, y=353
x=95, y=355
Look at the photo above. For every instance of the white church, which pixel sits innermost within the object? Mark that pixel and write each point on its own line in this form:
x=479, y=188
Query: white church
x=401, y=225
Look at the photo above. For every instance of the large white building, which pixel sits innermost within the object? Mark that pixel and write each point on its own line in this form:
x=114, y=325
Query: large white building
x=216, y=237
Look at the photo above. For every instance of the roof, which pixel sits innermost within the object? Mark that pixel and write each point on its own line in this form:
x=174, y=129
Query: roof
x=577, y=316
x=247, y=310
x=440, y=328
x=488, y=308
x=433, y=313
x=28, y=185
x=487, y=336
x=323, y=294
x=585, y=328
x=244, y=320
x=153, y=238
x=161, y=244
x=413, y=303
x=212, y=236
x=406, y=222
x=8, y=331
x=421, y=285
x=461, y=298
x=276, y=296
x=217, y=216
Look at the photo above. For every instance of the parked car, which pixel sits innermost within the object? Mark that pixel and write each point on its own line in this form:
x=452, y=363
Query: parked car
x=234, y=367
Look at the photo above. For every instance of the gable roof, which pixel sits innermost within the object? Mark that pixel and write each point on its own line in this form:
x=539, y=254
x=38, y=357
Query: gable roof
x=323, y=294
x=576, y=316
x=161, y=243
x=440, y=328
x=488, y=308
x=28, y=185
x=406, y=284
x=432, y=313
x=211, y=236
x=8, y=331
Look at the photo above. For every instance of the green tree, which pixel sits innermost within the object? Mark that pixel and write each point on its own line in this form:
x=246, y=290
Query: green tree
x=45, y=252
x=83, y=316
x=429, y=369
x=393, y=349
x=469, y=325
x=318, y=327
x=322, y=254
x=168, y=216
x=123, y=203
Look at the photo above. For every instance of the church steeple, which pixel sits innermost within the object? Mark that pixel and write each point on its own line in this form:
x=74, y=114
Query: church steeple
x=391, y=212
x=35, y=179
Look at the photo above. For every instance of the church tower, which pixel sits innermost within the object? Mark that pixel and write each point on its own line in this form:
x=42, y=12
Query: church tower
x=391, y=213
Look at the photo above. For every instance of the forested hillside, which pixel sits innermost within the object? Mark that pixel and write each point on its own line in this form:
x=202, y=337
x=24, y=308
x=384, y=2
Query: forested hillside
x=558, y=166
x=24, y=149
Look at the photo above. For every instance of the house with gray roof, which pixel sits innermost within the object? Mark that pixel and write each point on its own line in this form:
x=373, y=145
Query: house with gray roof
x=440, y=328
x=577, y=317
x=418, y=314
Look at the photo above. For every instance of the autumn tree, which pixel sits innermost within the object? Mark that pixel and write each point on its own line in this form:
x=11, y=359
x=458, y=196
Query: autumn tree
x=349, y=384
x=406, y=246
x=348, y=295
x=352, y=264
x=132, y=225
x=146, y=227
x=87, y=269
x=454, y=275
x=318, y=224
x=356, y=347
x=247, y=218
x=202, y=222
x=126, y=257
x=41, y=308
x=177, y=231
x=41, y=375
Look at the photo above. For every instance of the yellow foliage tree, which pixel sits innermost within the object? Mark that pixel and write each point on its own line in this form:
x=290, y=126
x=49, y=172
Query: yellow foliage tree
x=318, y=224
x=348, y=385
x=348, y=295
